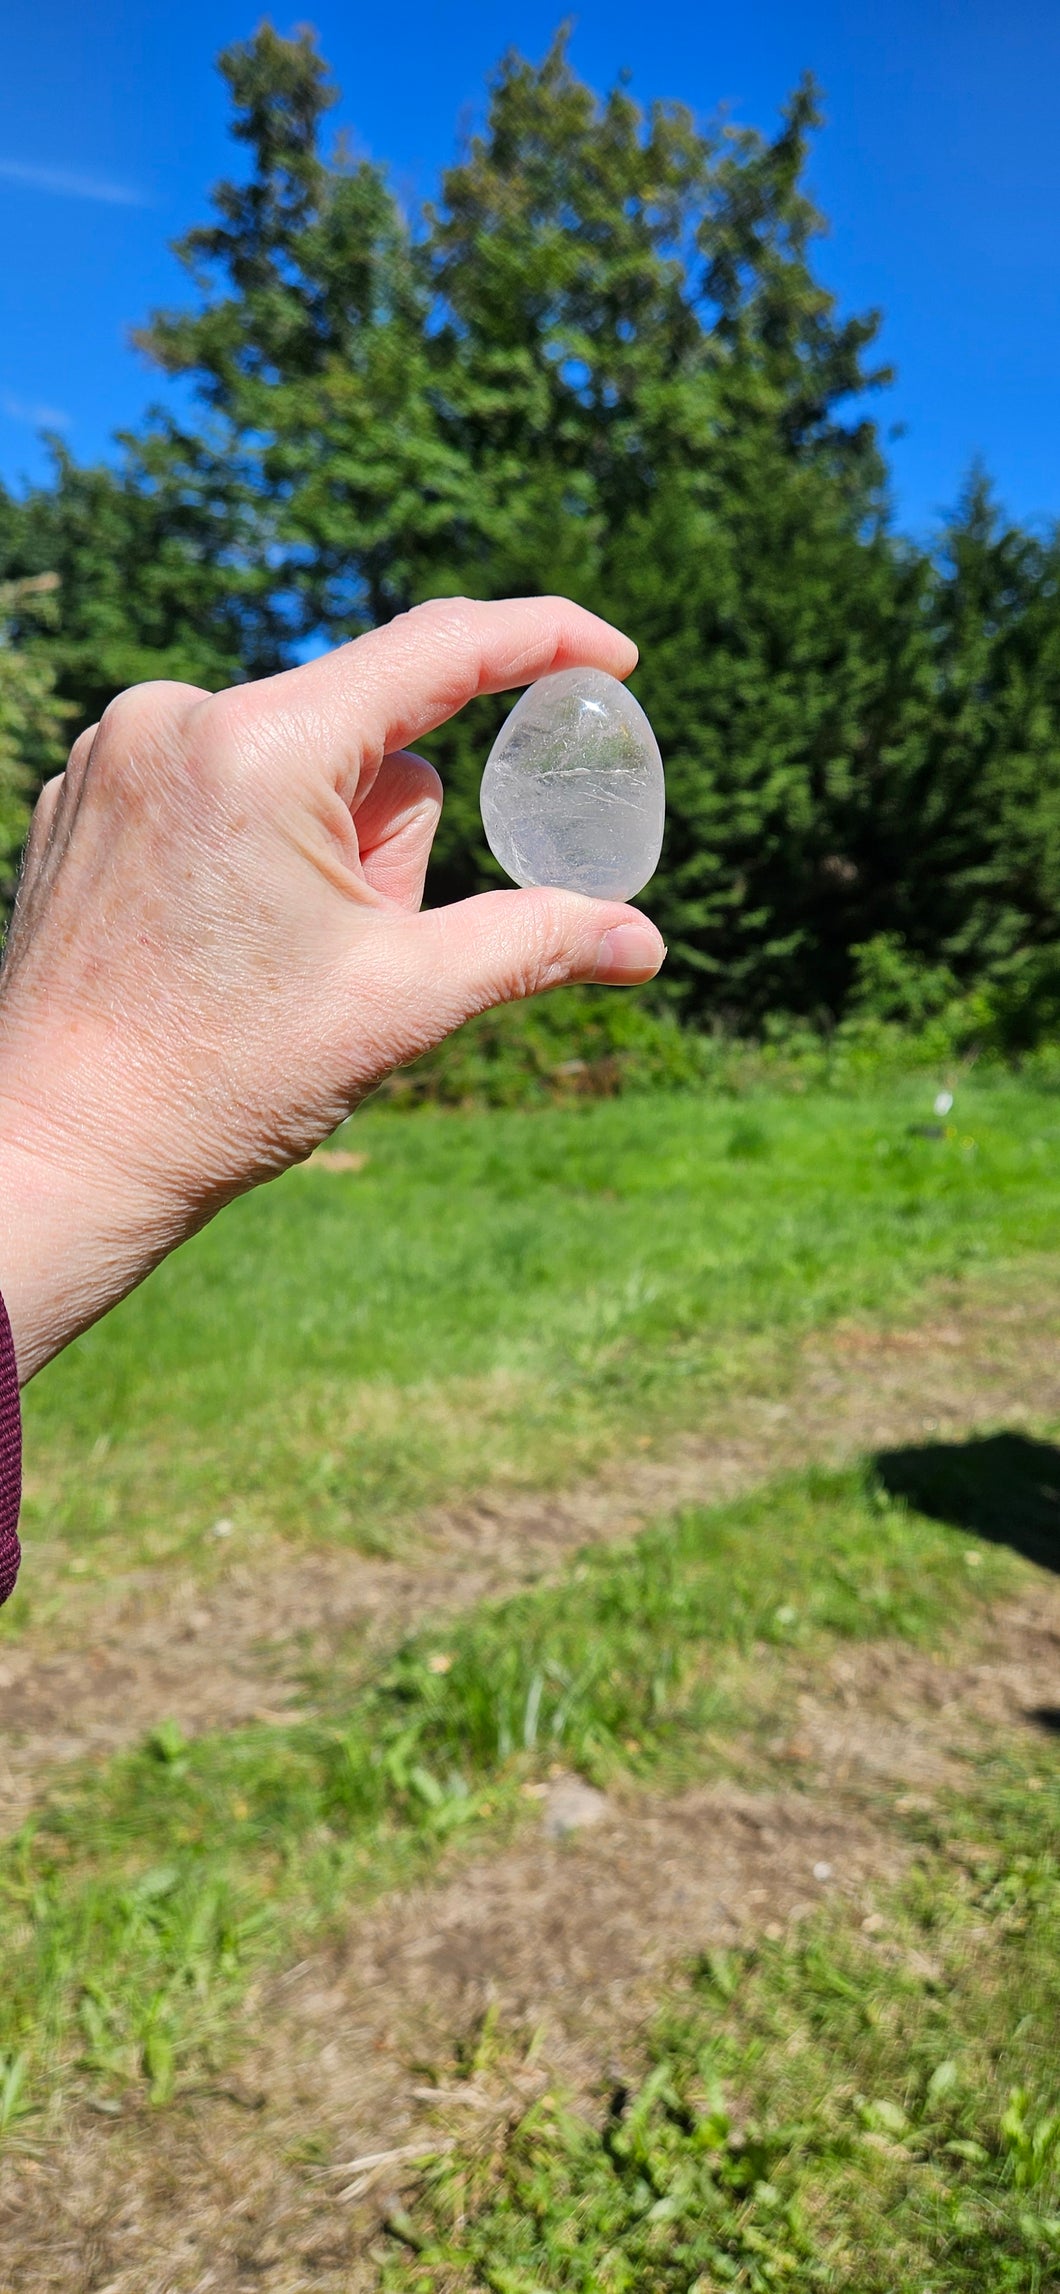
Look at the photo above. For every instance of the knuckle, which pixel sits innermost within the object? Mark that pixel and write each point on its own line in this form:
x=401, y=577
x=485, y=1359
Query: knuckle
x=144, y=707
x=439, y=609
x=80, y=750
x=138, y=726
x=49, y=794
x=442, y=617
x=141, y=732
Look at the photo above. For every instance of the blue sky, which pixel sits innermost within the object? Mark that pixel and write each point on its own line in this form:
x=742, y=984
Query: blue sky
x=939, y=170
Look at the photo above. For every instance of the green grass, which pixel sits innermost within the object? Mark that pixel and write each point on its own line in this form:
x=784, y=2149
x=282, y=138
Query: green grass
x=511, y=1297
x=140, y=1903
x=504, y=1297
x=868, y=2114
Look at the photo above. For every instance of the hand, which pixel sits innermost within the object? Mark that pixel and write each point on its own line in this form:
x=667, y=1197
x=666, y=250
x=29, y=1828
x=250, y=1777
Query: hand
x=218, y=946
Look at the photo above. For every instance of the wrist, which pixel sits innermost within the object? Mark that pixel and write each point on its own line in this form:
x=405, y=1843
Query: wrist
x=77, y=1230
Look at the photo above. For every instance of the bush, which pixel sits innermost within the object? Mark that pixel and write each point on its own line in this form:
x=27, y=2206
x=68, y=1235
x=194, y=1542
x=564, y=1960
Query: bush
x=575, y=1043
x=591, y=1043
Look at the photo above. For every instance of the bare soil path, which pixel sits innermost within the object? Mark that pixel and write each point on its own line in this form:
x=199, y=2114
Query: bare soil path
x=279, y=2177
x=213, y=1656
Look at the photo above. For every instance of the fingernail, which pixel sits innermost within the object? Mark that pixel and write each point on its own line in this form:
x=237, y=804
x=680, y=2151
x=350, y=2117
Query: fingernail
x=629, y=952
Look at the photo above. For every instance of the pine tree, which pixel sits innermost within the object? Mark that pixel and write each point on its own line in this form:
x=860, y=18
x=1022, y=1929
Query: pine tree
x=601, y=363
x=32, y=718
x=994, y=751
x=158, y=575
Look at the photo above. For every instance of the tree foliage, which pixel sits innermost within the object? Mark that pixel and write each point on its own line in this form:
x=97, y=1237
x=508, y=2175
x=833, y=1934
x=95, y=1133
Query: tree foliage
x=31, y=714
x=601, y=362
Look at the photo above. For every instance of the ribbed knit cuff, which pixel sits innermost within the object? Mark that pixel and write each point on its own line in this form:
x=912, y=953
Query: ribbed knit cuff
x=10, y=1459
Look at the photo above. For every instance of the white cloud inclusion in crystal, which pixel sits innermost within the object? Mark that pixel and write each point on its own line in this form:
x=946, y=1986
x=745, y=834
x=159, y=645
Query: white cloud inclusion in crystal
x=573, y=792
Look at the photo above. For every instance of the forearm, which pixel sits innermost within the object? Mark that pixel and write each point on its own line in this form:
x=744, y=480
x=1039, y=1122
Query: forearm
x=79, y=1226
x=63, y=1261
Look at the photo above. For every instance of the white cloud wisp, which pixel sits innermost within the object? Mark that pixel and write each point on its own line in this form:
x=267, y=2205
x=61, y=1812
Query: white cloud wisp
x=29, y=410
x=69, y=183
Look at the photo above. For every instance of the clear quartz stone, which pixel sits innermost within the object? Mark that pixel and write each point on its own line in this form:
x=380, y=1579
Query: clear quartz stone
x=573, y=791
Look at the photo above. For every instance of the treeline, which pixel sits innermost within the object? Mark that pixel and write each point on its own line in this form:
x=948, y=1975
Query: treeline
x=602, y=363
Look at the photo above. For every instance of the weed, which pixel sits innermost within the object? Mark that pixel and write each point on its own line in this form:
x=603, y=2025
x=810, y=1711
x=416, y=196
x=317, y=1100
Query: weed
x=811, y=2115
x=135, y=1907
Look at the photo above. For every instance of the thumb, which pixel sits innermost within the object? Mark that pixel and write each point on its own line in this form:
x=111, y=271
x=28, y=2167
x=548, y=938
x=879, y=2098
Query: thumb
x=434, y=970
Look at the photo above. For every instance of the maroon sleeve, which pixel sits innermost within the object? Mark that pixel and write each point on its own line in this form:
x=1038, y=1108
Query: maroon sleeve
x=10, y=1459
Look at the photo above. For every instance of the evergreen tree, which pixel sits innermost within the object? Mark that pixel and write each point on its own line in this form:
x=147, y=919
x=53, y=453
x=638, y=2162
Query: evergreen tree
x=601, y=363
x=682, y=463
x=313, y=352
x=994, y=752
x=32, y=718
x=156, y=575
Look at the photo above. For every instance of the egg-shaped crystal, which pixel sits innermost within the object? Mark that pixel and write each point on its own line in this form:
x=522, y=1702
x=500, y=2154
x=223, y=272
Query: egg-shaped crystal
x=573, y=792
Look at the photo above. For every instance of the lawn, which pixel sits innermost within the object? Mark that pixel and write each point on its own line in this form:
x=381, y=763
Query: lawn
x=868, y=2113
x=506, y=1298
x=138, y=1904
x=811, y=2109
x=864, y=2104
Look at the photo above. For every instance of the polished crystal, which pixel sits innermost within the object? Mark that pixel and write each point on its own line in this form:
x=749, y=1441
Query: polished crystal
x=573, y=791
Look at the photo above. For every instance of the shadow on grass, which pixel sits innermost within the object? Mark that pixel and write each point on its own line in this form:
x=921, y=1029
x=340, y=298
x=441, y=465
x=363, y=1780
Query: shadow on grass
x=1002, y=1487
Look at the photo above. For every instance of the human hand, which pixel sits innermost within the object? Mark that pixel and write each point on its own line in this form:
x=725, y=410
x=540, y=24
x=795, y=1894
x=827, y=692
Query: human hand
x=218, y=946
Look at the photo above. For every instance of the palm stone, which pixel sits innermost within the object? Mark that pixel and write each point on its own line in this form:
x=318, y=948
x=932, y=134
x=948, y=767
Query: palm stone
x=573, y=792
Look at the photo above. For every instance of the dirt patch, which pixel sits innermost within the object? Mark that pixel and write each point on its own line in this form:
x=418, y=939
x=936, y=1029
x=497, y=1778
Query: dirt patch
x=214, y=1657
x=899, y=1716
x=277, y=2178
x=569, y=1937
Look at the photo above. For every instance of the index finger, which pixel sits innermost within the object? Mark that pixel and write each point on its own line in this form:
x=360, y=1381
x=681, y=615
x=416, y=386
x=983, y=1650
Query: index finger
x=353, y=707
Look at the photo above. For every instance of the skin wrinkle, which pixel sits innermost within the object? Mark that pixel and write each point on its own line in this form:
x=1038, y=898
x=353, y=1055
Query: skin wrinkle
x=518, y=969
x=337, y=870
